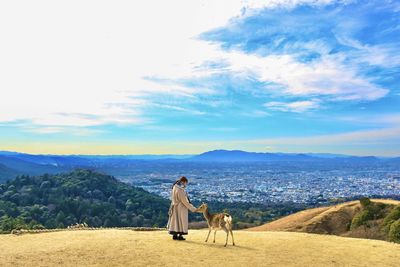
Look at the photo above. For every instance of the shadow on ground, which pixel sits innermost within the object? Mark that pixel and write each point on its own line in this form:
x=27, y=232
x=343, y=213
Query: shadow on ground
x=217, y=245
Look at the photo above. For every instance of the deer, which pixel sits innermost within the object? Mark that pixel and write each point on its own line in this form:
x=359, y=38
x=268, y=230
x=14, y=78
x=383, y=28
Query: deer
x=218, y=221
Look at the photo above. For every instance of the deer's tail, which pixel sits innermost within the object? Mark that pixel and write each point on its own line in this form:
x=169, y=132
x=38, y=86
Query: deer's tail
x=228, y=219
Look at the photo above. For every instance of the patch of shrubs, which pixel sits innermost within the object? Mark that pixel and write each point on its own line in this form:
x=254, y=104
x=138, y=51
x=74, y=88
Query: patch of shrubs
x=392, y=216
x=8, y=223
x=370, y=211
x=394, y=232
x=361, y=218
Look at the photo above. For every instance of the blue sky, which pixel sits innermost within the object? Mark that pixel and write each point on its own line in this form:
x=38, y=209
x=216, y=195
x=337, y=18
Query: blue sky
x=183, y=77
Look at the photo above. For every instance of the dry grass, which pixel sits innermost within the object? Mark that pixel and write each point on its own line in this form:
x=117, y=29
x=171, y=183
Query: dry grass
x=289, y=223
x=130, y=248
x=304, y=221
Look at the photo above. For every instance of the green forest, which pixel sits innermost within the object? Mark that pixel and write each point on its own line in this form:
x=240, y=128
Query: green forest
x=82, y=196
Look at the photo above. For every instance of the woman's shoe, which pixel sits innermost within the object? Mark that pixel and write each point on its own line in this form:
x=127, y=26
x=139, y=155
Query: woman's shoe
x=175, y=237
x=181, y=238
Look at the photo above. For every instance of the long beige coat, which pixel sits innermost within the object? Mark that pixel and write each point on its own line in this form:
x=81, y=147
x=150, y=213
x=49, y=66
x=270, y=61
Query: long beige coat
x=178, y=211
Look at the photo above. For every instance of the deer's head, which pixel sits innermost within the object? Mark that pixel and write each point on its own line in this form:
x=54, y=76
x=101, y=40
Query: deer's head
x=203, y=207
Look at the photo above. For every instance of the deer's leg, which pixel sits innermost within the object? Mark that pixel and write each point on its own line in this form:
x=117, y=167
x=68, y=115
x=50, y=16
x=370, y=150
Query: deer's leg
x=215, y=232
x=227, y=234
x=209, y=231
x=233, y=241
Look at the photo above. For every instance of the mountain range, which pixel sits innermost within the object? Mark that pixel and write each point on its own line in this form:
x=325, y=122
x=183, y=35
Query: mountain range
x=15, y=163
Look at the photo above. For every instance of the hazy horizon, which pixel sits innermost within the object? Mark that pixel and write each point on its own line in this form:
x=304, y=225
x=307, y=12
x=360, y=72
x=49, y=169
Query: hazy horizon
x=194, y=154
x=185, y=77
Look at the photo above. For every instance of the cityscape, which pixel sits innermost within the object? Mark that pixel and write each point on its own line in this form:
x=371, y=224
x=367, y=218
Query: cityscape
x=263, y=183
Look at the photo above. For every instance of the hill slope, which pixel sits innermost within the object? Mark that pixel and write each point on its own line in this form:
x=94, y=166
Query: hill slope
x=130, y=248
x=6, y=173
x=27, y=166
x=330, y=220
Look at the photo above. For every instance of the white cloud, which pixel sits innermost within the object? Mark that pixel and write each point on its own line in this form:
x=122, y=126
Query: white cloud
x=83, y=63
x=297, y=106
x=377, y=55
x=88, y=63
x=179, y=108
x=381, y=120
x=257, y=113
x=365, y=142
x=259, y=4
x=327, y=76
x=368, y=137
x=77, y=131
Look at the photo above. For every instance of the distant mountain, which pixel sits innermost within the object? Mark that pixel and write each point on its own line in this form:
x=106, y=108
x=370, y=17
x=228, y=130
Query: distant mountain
x=14, y=163
x=49, y=158
x=327, y=155
x=80, y=196
x=243, y=156
x=6, y=173
x=394, y=160
x=14, y=166
x=84, y=160
x=238, y=155
x=221, y=155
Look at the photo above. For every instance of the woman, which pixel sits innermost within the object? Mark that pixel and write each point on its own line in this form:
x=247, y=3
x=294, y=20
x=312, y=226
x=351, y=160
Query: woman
x=178, y=211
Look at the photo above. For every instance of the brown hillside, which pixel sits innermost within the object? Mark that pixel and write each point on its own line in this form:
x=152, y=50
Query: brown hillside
x=325, y=220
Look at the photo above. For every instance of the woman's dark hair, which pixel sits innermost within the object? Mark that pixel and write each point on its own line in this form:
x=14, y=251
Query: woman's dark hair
x=183, y=179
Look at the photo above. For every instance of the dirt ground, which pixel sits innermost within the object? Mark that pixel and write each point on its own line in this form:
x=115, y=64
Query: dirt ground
x=132, y=248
